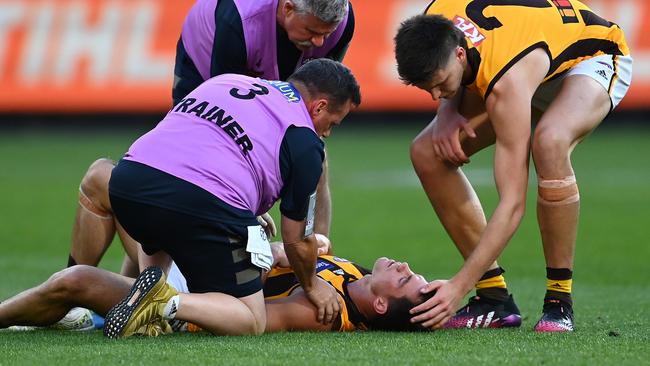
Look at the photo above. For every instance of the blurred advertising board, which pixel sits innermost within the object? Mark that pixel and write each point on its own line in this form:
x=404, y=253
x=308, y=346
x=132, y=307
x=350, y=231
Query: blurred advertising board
x=118, y=55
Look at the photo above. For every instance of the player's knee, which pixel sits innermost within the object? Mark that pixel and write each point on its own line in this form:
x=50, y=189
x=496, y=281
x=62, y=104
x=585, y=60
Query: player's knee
x=558, y=192
x=97, y=176
x=94, y=185
x=421, y=152
x=550, y=145
x=66, y=283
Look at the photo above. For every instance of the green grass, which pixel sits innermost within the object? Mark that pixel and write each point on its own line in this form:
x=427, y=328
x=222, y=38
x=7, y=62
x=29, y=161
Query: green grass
x=379, y=210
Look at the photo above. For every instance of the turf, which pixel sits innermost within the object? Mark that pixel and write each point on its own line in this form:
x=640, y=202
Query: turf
x=379, y=210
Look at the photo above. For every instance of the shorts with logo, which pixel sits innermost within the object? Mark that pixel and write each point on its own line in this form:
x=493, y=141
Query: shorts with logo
x=209, y=251
x=614, y=73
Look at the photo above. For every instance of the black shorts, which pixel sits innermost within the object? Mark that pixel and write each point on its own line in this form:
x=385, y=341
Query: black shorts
x=211, y=254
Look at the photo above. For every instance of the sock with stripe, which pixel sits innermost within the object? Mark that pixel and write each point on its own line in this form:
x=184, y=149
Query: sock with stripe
x=169, y=312
x=558, y=285
x=493, y=285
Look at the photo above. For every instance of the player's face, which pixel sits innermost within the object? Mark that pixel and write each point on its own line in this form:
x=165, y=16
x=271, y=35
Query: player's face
x=395, y=279
x=446, y=82
x=307, y=31
x=329, y=117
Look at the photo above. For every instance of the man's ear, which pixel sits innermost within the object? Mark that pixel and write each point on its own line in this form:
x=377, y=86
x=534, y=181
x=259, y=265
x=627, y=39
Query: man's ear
x=318, y=107
x=288, y=7
x=380, y=305
x=461, y=54
x=321, y=105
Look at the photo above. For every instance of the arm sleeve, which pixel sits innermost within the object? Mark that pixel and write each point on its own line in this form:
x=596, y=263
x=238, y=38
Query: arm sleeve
x=301, y=165
x=341, y=48
x=229, y=48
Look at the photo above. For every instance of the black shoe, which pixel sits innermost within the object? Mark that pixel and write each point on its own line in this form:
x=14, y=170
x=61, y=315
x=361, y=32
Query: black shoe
x=557, y=316
x=482, y=312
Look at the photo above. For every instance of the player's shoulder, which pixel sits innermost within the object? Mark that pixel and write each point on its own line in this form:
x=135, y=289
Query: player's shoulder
x=525, y=73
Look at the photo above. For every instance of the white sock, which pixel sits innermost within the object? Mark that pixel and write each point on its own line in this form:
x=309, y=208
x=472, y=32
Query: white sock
x=171, y=308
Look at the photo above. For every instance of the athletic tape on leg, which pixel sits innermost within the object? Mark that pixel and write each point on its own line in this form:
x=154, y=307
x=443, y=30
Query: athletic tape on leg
x=89, y=206
x=558, y=192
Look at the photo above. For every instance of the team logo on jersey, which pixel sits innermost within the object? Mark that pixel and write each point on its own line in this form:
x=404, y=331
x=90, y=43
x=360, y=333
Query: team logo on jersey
x=469, y=29
x=289, y=92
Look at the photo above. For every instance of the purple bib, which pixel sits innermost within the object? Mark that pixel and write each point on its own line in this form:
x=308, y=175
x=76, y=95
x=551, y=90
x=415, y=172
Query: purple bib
x=225, y=137
x=259, y=24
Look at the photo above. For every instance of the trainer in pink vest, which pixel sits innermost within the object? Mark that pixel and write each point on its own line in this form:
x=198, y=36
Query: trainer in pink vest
x=259, y=24
x=225, y=137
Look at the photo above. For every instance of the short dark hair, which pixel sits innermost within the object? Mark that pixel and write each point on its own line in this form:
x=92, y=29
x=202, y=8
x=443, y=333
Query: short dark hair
x=423, y=45
x=398, y=316
x=328, y=77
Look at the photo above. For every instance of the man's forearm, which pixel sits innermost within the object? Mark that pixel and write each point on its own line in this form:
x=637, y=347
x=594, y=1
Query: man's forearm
x=495, y=238
x=323, y=214
x=302, y=258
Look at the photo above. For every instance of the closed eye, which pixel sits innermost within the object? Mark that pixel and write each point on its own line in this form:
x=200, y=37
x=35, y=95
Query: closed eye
x=404, y=280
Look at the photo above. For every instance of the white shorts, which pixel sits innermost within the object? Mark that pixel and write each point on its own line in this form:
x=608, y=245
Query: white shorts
x=176, y=279
x=614, y=73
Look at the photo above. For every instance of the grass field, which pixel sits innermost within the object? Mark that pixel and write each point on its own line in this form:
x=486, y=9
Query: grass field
x=379, y=210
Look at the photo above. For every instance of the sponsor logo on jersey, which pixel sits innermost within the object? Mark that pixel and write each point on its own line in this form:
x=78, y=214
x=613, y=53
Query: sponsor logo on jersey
x=469, y=29
x=287, y=90
x=323, y=265
x=339, y=259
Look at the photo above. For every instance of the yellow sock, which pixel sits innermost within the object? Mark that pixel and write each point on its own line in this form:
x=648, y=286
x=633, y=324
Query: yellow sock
x=495, y=282
x=559, y=285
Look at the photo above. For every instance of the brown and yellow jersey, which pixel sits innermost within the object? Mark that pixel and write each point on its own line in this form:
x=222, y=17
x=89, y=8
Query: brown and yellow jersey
x=500, y=32
x=338, y=272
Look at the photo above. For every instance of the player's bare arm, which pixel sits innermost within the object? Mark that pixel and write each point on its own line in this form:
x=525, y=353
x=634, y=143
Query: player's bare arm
x=509, y=109
x=294, y=313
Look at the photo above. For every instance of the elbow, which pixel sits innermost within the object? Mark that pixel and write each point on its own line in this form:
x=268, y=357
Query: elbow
x=514, y=210
x=518, y=211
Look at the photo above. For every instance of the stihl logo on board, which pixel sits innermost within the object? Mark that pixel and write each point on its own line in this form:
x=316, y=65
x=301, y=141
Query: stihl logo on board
x=470, y=29
x=46, y=42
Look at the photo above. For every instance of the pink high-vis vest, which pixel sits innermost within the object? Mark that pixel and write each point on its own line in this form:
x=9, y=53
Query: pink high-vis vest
x=225, y=137
x=259, y=24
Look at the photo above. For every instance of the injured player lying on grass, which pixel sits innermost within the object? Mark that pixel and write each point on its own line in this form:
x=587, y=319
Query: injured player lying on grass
x=377, y=300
